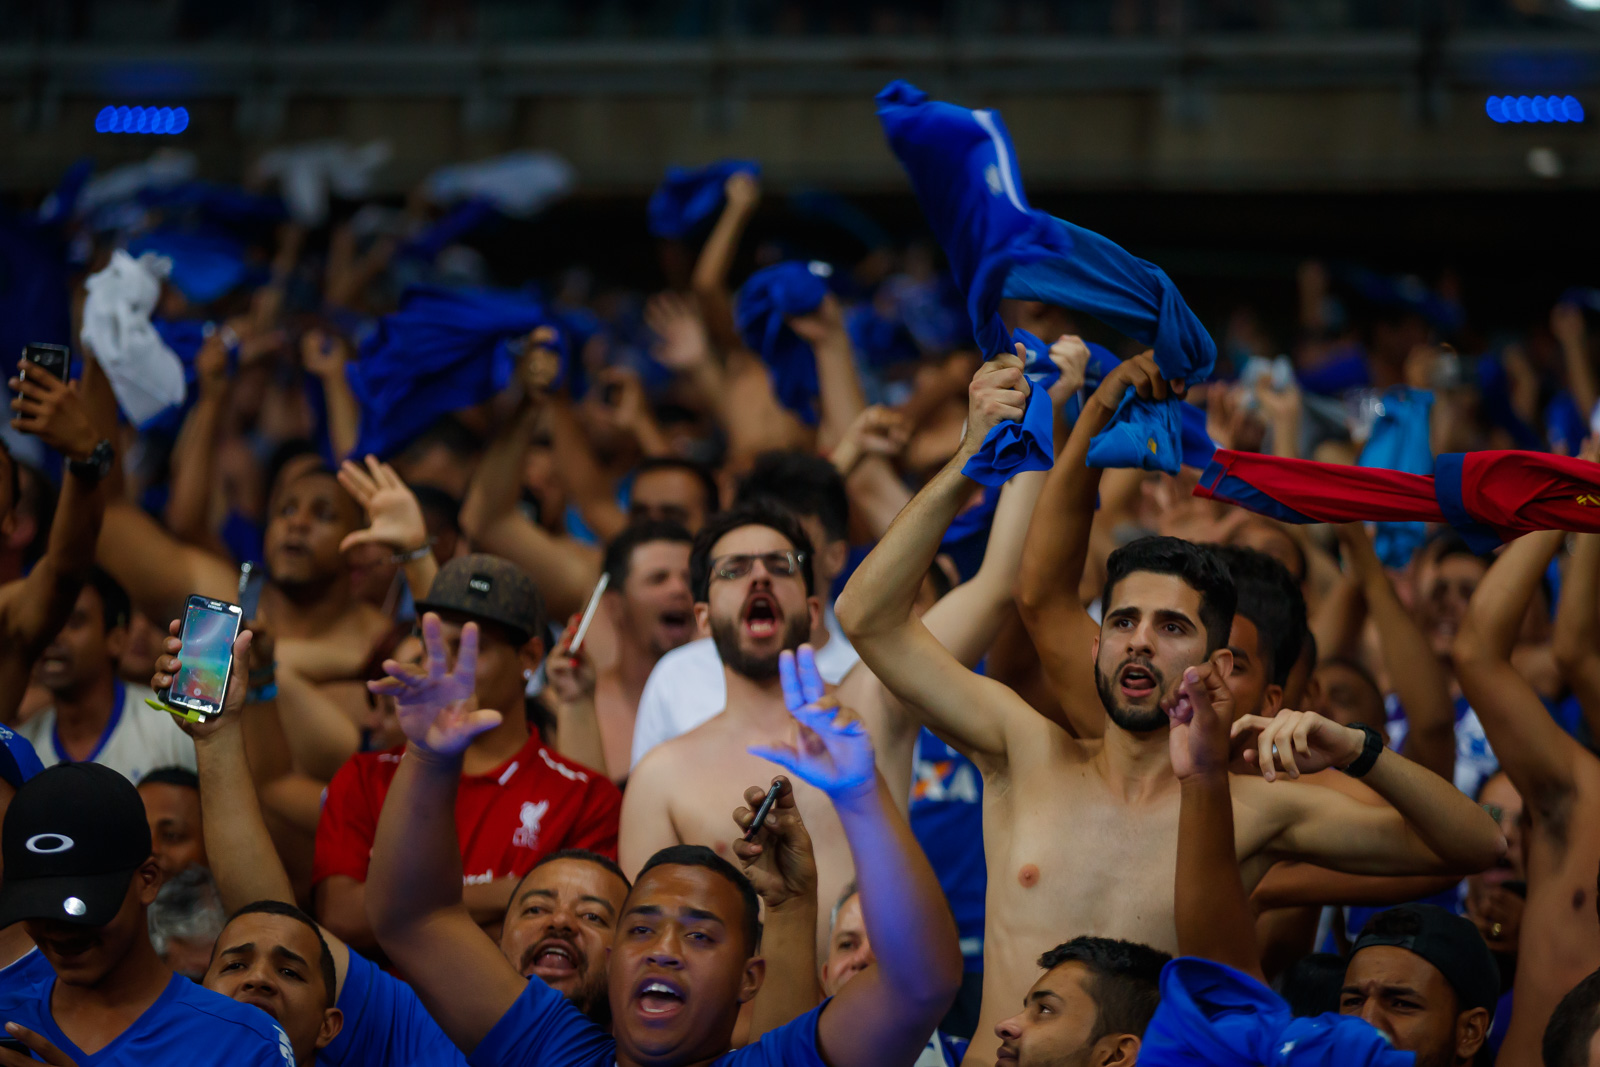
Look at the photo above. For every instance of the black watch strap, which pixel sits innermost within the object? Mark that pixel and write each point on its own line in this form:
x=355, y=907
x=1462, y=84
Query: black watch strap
x=96, y=465
x=1371, y=749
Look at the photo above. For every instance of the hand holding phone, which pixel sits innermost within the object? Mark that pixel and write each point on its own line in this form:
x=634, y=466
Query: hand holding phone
x=56, y=359
x=196, y=692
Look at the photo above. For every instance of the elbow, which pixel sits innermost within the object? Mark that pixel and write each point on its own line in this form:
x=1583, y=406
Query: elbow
x=1470, y=646
x=859, y=619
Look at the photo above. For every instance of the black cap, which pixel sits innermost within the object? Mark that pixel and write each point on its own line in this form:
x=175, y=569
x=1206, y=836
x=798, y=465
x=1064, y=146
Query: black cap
x=489, y=589
x=1446, y=940
x=73, y=838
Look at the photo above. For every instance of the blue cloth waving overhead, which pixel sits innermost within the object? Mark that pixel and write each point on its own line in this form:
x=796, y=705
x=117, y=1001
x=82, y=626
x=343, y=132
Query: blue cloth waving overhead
x=771, y=296
x=443, y=350
x=1214, y=1016
x=964, y=170
x=687, y=197
x=1400, y=441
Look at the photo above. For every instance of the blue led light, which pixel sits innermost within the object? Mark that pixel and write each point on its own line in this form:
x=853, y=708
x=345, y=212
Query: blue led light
x=141, y=120
x=1533, y=109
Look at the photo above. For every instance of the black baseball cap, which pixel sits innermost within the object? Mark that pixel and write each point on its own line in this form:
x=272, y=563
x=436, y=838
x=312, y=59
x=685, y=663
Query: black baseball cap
x=1446, y=940
x=489, y=589
x=72, y=840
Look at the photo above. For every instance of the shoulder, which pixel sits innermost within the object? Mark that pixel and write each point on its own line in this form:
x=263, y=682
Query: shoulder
x=695, y=658
x=38, y=726
x=577, y=774
x=543, y=1028
x=793, y=1044
x=227, y=1020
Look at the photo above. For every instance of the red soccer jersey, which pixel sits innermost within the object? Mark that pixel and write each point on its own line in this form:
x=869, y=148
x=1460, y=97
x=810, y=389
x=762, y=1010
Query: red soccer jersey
x=532, y=805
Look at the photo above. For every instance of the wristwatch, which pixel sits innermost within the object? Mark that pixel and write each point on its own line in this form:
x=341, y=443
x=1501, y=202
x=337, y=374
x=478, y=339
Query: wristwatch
x=1371, y=749
x=96, y=465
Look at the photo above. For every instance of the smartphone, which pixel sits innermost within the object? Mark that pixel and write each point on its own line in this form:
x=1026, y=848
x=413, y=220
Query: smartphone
x=57, y=359
x=209, y=627
x=11, y=1044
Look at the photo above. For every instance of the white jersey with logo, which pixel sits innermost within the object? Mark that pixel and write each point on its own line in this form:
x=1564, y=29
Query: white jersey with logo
x=137, y=740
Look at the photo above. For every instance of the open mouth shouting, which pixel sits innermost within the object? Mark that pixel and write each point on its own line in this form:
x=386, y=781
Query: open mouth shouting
x=551, y=959
x=659, y=999
x=762, y=616
x=678, y=624
x=1138, y=682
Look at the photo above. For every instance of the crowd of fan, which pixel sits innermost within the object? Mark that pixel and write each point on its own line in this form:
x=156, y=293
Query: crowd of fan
x=1035, y=742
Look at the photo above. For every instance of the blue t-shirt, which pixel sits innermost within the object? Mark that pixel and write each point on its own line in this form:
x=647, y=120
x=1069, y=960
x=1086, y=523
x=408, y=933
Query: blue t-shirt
x=25, y=972
x=947, y=819
x=188, y=1025
x=385, y=1025
x=543, y=1029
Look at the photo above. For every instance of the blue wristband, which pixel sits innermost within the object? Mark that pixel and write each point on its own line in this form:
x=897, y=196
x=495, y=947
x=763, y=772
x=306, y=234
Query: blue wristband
x=261, y=694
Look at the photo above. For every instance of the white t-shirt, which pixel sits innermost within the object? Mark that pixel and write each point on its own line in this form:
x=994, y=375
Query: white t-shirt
x=138, y=739
x=686, y=687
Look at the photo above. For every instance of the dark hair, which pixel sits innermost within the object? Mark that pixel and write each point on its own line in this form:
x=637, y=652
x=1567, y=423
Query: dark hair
x=449, y=433
x=699, y=471
x=178, y=776
x=583, y=854
x=756, y=513
x=330, y=980
x=1450, y=544
x=285, y=454
x=619, y=553
x=803, y=483
x=1124, y=981
x=1572, y=1025
x=701, y=856
x=435, y=501
x=1269, y=597
x=1312, y=983
x=1196, y=565
x=1358, y=668
x=115, y=607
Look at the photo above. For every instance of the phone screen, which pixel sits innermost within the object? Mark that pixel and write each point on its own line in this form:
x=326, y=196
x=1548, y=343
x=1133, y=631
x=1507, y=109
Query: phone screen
x=208, y=635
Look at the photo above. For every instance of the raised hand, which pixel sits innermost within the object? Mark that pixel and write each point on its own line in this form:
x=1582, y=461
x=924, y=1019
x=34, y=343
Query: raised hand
x=743, y=190
x=827, y=321
x=572, y=678
x=997, y=392
x=832, y=750
x=1071, y=357
x=779, y=860
x=1200, y=712
x=233, y=696
x=1143, y=375
x=47, y=1052
x=52, y=410
x=323, y=354
x=394, y=516
x=540, y=365
x=1303, y=742
x=437, y=708
x=681, y=343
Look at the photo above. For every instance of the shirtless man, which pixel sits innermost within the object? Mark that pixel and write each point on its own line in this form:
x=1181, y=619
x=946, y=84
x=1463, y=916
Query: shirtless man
x=1557, y=777
x=651, y=611
x=1081, y=836
x=321, y=628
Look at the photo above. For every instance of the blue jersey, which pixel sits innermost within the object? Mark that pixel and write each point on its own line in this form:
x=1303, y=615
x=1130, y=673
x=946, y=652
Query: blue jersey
x=385, y=1025
x=25, y=972
x=188, y=1025
x=543, y=1029
x=947, y=819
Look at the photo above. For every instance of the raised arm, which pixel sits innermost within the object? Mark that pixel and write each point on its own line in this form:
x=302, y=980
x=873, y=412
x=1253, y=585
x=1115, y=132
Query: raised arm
x=875, y=608
x=325, y=356
x=1427, y=827
x=563, y=570
x=1213, y=910
x=1566, y=322
x=1415, y=672
x=34, y=609
x=1577, y=633
x=710, y=280
x=414, y=883
x=394, y=520
x=1057, y=547
x=189, y=505
x=841, y=397
x=883, y=1017
x=783, y=869
x=1535, y=752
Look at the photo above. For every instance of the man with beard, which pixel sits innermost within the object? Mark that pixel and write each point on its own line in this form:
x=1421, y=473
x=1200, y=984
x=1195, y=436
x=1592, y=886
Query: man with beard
x=752, y=575
x=1051, y=799
x=557, y=927
x=322, y=628
x=1090, y=1007
x=650, y=610
x=80, y=876
x=518, y=801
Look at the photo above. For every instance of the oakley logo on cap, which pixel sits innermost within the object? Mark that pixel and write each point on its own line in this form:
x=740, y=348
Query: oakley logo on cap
x=49, y=844
x=74, y=906
x=479, y=584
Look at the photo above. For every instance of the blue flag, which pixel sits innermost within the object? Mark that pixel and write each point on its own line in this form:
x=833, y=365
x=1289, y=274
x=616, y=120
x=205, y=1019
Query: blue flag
x=443, y=350
x=687, y=197
x=1400, y=441
x=206, y=263
x=765, y=301
x=964, y=171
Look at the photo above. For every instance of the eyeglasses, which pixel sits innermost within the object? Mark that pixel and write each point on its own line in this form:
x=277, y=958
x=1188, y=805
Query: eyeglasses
x=777, y=564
